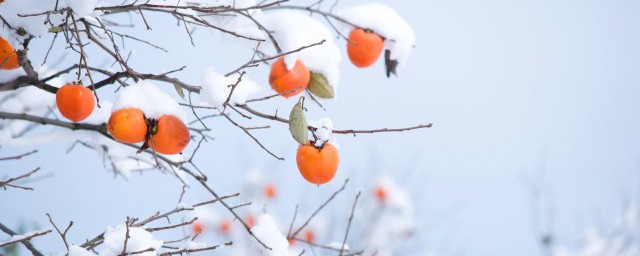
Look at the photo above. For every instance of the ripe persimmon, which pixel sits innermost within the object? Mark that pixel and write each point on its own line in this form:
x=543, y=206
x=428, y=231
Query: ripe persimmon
x=171, y=135
x=127, y=125
x=75, y=102
x=309, y=236
x=197, y=227
x=364, y=47
x=285, y=81
x=8, y=55
x=270, y=191
x=225, y=226
x=381, y=193
x=317, y=165
x=250, y=221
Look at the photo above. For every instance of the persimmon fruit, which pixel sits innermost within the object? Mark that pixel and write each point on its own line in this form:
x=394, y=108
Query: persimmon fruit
x=250, y=221
x=381, y=193
x=75, y=102
x=270, y=191
x=285, y=81
x=170, y=135
x=197, y=227
x=364, y=47
x=317, y=165
x=225, y=226
x=309, y=236
x=128, y=125
x=8, y=55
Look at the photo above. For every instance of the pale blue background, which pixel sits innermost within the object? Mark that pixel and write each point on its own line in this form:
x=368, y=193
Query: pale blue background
x=512, y=87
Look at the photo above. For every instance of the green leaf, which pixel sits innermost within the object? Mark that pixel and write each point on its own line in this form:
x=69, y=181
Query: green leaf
x=298, y=123
x=55, y=29
x=179, y=90
x=319, y=86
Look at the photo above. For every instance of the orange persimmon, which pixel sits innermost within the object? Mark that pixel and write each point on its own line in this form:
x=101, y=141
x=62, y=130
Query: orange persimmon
x=364, y=47
x=197, y=227
x=250, y=221
x=127, y=125
x=75, y=102
x=171, y=135
x=317, y=165
x=225, y=226
x=289, y=82
x=8, y=55
x=309, y=236
x=270, y=191
x=381, y=193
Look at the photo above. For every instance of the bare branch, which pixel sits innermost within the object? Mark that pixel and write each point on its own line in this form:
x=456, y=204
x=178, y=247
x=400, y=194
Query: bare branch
x=346, y=234
x=319, y=209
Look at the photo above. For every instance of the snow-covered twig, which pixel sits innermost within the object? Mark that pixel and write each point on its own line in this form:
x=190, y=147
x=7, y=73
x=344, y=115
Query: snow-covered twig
x=187, y=251
x=26, y=243
x=21, y=238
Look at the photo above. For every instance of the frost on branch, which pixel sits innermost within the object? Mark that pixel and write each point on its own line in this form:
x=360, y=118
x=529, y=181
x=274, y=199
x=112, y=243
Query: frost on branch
x=216, y=89
x=293, y=30
x=139, y=240
x=386, y=22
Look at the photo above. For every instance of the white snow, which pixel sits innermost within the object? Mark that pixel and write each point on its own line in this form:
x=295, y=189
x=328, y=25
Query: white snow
x=324, y=131
x=294, y=29
x=267, y=231
x=183, y=206
x=235, y=22
x=75, y=250
x=621, y=240
x=338, y=245
x=25, y=235
x=139, y=240
x=216, y=88
x=147, y=97
x=82, y=7
x=191, y=245
x=386, y=22
x=34, y=25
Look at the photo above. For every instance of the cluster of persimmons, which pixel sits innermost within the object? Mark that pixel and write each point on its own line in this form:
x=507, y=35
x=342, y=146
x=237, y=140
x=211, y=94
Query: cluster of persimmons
x=169, y=135
x=318, y=165
x=166, y=135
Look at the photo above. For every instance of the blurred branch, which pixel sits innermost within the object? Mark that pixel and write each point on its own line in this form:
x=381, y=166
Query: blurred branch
x=24, y=238
x=9, y=182
x=346, y=234
x=26, y=243
x=295, y=233
x=18, y=156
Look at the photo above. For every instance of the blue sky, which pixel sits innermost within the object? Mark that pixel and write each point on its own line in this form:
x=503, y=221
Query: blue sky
x=512, y=88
